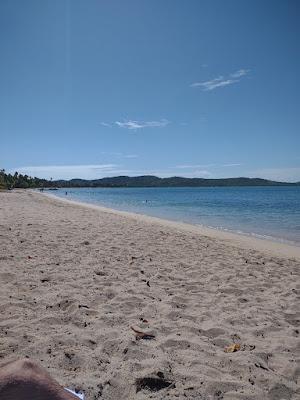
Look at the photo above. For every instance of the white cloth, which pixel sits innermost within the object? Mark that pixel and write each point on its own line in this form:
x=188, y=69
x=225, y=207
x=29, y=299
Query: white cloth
x=79, y=395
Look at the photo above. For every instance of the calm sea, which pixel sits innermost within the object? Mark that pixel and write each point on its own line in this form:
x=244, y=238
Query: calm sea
x=269, y=212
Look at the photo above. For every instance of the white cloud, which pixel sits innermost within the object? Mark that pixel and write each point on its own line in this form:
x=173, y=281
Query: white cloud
x=288, y=174
x=167, y=173
x=197, y=173
x=193, y=166
x=68, y=171
x=134, y=125
x=221, y=81
x=240, y=73
x=118, y=154
x=107, y=125
x=97, y=171
x=231, y=165
x=130, y=156
x=111, y=153
x=214, y=83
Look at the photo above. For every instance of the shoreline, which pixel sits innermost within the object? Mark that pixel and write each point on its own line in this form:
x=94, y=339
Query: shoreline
x=77, y=282
x=243, y=240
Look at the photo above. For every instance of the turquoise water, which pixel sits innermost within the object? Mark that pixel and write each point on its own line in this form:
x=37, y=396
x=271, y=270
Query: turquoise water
x=269, y=212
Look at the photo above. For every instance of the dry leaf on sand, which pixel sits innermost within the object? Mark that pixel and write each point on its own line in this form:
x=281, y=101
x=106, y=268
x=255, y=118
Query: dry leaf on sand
x=232, y=348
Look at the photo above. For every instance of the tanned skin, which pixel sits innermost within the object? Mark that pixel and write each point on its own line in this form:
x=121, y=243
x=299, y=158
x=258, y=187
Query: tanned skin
x=26, y=380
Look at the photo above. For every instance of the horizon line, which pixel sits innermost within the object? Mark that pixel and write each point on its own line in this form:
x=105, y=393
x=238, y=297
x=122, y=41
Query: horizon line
x=169, y=177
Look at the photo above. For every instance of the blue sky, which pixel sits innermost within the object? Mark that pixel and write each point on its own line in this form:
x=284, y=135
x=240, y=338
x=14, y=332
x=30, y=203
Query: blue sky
x=189, y=88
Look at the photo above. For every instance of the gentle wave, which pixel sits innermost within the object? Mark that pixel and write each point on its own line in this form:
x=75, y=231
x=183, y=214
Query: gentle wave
x=271, y=213
x=251, y=234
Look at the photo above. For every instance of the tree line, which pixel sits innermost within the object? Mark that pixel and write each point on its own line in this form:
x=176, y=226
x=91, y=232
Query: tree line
x=9, y=181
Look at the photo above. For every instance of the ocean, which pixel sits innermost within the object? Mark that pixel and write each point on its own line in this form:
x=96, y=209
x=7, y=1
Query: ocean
x=268, y=212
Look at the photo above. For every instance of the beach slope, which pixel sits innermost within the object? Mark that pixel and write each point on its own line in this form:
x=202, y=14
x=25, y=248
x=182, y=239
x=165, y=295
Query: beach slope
x=75, y=280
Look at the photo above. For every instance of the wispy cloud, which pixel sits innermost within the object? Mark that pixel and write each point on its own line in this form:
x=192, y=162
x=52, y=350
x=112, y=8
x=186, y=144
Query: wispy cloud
x=240, y=73
x=118, y=154
x=197, y=173
x=130, y=156
x=221, y=81
x=135, y=125
x=214, y=83
x=193, y=166
x=89, y=171
x=231, y=165
x=112, y=153
x=96, y=171
x=107, y=125
x=287, y=174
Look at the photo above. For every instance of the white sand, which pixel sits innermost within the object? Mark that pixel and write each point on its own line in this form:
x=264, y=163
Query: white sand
x=75, y=278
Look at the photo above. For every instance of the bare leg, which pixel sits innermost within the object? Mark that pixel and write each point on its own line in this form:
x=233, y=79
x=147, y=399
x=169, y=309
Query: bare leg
x=26, y=380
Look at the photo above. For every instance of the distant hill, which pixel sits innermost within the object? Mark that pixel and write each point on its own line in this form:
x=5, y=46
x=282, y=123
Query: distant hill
x=9, y=181
x=175, y=181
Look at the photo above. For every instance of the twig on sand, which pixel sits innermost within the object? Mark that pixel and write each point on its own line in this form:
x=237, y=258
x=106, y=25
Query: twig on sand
x=142, y=335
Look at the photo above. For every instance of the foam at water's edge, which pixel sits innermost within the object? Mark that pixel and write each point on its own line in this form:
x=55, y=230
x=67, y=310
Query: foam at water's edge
x=252, y=234
x=271, y=247
x=170, y=217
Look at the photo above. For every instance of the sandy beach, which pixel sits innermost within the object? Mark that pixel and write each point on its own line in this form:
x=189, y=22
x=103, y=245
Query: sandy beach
x=75, y=279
